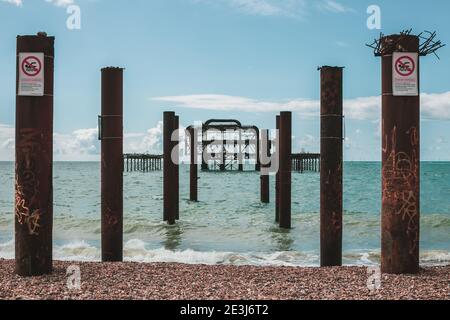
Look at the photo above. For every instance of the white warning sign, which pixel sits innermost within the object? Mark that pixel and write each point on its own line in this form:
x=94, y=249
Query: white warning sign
x=31, y=74
x=405, y=76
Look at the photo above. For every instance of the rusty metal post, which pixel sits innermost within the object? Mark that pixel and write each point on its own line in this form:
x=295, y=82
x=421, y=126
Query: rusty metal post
x=223, y=166
x=169, y=169
x=193, y=168
x=34, y=163
x=111, y=136
x=401, y=167
x=265, y=167
x=177, y=167
x=277, y=176
x=285, y=169
x=331, y=188
x=258, y=154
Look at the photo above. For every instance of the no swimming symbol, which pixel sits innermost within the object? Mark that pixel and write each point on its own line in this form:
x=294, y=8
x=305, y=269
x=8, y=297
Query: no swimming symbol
x=405, y=66
x=31, y=66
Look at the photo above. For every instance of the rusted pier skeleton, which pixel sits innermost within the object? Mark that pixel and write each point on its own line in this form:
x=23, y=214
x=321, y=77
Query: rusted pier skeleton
x=401, y=147
x=221, y=157
x=331, y=188
x=169, y=168
x=142, y=162
x=111, y=136
x=34, y=163
x=285, y=153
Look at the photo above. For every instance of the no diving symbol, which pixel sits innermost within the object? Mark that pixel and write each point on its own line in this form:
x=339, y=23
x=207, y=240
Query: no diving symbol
x=405, y=66
x=31, y=66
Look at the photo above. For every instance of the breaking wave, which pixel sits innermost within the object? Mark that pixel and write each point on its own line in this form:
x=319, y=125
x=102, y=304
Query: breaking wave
x=137, y=251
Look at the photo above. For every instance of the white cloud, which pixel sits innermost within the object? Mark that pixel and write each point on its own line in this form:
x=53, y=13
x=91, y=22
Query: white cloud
x=15, y=2
x=434, y=106
x=287, y=8
x=58, y=3
x=333, y=6
x=230, y=103
x=149, y=142
x=7, y=142
x=83, y=144
x=61, y=3
x=290, y=8
x=268, y=7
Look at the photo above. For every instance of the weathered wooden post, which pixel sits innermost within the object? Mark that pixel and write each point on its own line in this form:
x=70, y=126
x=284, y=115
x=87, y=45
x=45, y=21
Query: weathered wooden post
x=34, y=155
x=111, y=136
x=277, y=176
x=331, y=206
x=265, y=167
x=285, y=169
x=193, y=132
x=169, y=169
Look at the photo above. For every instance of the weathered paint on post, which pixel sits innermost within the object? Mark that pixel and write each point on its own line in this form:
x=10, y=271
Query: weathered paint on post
x=285, y=169
x=34, y=167
x=331, y=187
x=193, y=132
x=111, y=135
x=169, y=169
x=265, y=167
x=277, y=176
x=401, y=167
x=177, y=167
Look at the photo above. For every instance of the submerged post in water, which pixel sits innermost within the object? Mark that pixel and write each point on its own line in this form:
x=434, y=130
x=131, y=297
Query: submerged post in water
x=277, y=176
x=169, y=169
x=331, y=154
x=176, y=153
x=285, y=169
x=34, y=155
x=111, y=136
x=193, y=132
x=265, y=167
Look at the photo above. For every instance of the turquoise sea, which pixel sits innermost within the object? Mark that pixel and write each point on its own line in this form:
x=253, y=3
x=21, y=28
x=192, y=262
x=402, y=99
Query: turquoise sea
x=229, y=225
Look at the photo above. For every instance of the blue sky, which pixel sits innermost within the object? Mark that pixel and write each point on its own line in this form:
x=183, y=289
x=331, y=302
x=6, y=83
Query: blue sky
x=244, y=59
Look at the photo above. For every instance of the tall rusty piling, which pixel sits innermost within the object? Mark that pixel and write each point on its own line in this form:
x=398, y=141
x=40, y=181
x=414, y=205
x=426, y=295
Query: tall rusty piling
x=34, y=157
x=401, y=160
x=193, y=166
x=177, y=166
x=277, y=176
x=331, y=186
x=169, y=212
x=111, y=136
x=285, y=169
x=265, y=167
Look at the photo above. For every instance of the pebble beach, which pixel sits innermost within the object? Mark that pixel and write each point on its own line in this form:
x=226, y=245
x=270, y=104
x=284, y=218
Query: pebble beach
x=140, y=281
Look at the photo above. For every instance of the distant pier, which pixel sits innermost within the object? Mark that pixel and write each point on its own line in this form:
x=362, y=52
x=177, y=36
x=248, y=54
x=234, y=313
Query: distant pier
x=306, y=162
x=142, y=162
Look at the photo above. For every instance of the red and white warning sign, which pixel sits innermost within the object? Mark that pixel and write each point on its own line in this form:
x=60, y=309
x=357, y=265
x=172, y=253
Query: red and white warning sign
x=31, y=74
x=405, y=76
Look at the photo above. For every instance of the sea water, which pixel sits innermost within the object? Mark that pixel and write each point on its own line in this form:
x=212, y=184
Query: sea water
x=229, y=225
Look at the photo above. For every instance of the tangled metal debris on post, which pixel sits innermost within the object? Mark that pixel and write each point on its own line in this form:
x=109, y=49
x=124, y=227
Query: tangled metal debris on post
x=428, y=43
